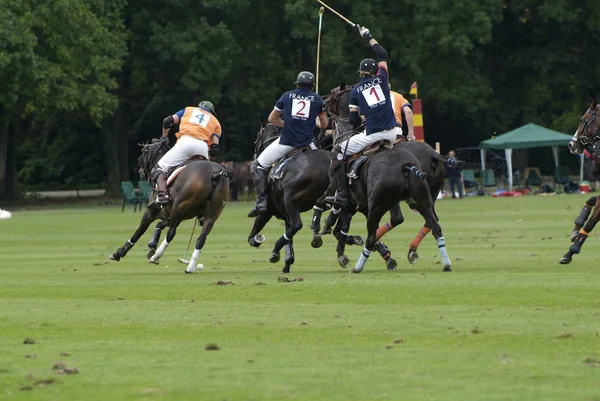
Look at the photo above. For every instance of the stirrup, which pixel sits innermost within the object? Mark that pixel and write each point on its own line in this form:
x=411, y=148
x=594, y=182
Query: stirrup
x=163, y=199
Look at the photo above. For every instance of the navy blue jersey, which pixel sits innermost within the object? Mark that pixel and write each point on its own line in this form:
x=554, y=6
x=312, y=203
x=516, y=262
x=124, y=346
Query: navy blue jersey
x=372, y=97
x=300, y=108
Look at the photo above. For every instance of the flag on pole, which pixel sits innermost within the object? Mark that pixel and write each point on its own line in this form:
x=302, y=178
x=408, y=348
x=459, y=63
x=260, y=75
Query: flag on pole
x=414, y=90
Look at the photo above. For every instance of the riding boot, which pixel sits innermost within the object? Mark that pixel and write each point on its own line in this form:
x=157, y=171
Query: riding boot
x=259, y=176
x=341, y=198
x=161, y=184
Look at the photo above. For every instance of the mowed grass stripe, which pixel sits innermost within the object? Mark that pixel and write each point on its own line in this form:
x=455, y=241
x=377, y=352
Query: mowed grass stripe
x=508, y=323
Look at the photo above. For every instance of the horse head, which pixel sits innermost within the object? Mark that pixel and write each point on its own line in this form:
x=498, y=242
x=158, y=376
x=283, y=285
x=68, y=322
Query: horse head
x=151, y=154
x=267, y=134
x=587, y=135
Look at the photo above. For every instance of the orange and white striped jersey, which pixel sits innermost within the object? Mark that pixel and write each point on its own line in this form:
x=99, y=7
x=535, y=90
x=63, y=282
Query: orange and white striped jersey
x=198, y=123
x=398, y=103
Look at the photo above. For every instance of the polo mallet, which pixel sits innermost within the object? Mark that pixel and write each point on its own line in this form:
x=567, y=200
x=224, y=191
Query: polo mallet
x=321, y=11
x=352, y=24
x=184, y=259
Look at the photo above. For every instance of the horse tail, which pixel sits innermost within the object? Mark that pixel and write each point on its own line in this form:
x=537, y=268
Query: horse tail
x=414, y=170
x=216, y=180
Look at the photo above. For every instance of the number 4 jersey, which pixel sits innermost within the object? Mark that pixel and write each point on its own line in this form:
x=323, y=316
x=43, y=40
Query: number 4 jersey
x=299, y=109
x=372, y=96
x=198, y=122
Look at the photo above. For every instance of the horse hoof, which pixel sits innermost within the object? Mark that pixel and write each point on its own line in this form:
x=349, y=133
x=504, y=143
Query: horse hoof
x=358, y=240
x=150, y=253
x=565, y=260
x=114, y=257
x=274, y=258
x=413, y=256
x=353, y=270
x=187, y=272
x=153, y=260
x=285, y=270
x=391, y=264
x=343, y=261
x=257, y=240
x=317, y=241
x=447, y=269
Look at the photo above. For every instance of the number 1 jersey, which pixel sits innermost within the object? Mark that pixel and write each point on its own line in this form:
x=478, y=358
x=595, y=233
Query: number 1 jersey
x=372, y=97
x=300, y=108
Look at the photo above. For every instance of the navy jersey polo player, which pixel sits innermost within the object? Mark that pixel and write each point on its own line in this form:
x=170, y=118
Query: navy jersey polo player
x=295, y=112
x=371, y=98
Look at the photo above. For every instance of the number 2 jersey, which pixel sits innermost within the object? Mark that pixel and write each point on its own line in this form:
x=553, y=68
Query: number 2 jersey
x=300, y=108
x=372, y=97
x=198, y=123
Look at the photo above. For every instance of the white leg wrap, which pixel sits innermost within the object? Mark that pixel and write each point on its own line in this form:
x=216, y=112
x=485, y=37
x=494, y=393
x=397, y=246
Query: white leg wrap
x=441, y=243
x=192, y=265
x=360, y=263
x=159, y=252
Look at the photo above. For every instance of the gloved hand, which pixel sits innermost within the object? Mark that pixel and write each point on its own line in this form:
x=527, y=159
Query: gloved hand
x=215, y=150
x=364, y=32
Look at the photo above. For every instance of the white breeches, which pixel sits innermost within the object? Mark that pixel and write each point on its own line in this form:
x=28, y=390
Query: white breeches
x=361, y=141
x=272, y=153
x=185, y=148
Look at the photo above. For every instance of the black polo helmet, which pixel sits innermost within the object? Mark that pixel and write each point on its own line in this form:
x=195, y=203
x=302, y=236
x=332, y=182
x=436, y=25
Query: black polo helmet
x=368, y=65
x=208, y=106
x=305, y=78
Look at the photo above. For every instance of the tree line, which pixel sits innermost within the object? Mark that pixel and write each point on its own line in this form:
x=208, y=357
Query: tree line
x=82, y=82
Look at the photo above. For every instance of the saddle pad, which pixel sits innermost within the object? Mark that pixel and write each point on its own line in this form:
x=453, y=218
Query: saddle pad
x=279, y=167
x=355, y=167
x=174, y=174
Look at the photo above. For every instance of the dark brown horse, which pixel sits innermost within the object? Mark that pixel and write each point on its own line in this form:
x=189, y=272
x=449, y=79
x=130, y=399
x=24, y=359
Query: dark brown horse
x=432, y=164
x=200, y=190
x=304, y=180
x=587, y=137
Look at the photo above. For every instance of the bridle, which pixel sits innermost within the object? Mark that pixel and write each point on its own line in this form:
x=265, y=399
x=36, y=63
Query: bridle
x=586, y=140
x=332, y=106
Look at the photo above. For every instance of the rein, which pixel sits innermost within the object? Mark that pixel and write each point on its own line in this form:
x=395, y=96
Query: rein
x=151, y=153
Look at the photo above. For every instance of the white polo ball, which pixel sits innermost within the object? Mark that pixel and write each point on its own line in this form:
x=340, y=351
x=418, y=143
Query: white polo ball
x=199, y=266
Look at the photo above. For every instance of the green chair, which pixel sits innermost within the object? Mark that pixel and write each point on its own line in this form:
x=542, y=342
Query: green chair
x=488, y=179
x=145, y=190
x=534, y=179
x=130, y=196
x=469, y=180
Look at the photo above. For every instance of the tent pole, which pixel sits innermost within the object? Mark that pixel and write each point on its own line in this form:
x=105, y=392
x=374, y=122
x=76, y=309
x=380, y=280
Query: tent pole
x=482, y=151
x=508, y=156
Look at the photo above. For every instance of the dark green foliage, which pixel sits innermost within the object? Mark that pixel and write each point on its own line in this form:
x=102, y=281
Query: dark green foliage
x=82, y=82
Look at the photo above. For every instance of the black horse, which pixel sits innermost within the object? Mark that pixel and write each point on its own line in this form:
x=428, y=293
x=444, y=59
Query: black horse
x=200, y=190
x=587, y=137
x=432, y=164
x=302, y=183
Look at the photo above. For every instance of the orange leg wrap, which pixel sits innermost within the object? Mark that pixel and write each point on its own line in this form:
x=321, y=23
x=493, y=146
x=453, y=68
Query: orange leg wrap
x=415, y=242
x=582, y=231
x=383, y=229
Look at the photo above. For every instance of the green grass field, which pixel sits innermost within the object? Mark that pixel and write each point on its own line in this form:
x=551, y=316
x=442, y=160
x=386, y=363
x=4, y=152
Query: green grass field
x=509, y=323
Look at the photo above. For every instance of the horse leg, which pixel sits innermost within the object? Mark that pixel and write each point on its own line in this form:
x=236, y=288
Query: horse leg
x=200, y=241
x=373, y=219
x=315, y=226
x=174, y=223
x=583, y=216
x=155, y=238
x=427, y=213
x=583, y=234
x=289, y=256
x=293, y=225
x=330, y=221
x=413, y=256
x=149, y=216
x=340, y=232
x=255, y=239
x=396, y=219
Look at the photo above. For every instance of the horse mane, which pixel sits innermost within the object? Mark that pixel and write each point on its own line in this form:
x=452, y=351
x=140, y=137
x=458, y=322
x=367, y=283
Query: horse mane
x=334, y=105
x=151, y=154
x=267, y=134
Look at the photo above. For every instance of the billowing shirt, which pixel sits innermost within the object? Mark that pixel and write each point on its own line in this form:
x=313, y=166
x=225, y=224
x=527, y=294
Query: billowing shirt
x=398, y=104
x=299, y=108
x=372, y=97
x=198, y=122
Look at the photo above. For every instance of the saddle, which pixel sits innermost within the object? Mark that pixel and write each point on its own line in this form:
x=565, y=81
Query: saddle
x=278, y=168
x=175, y=171
x=358, y=159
